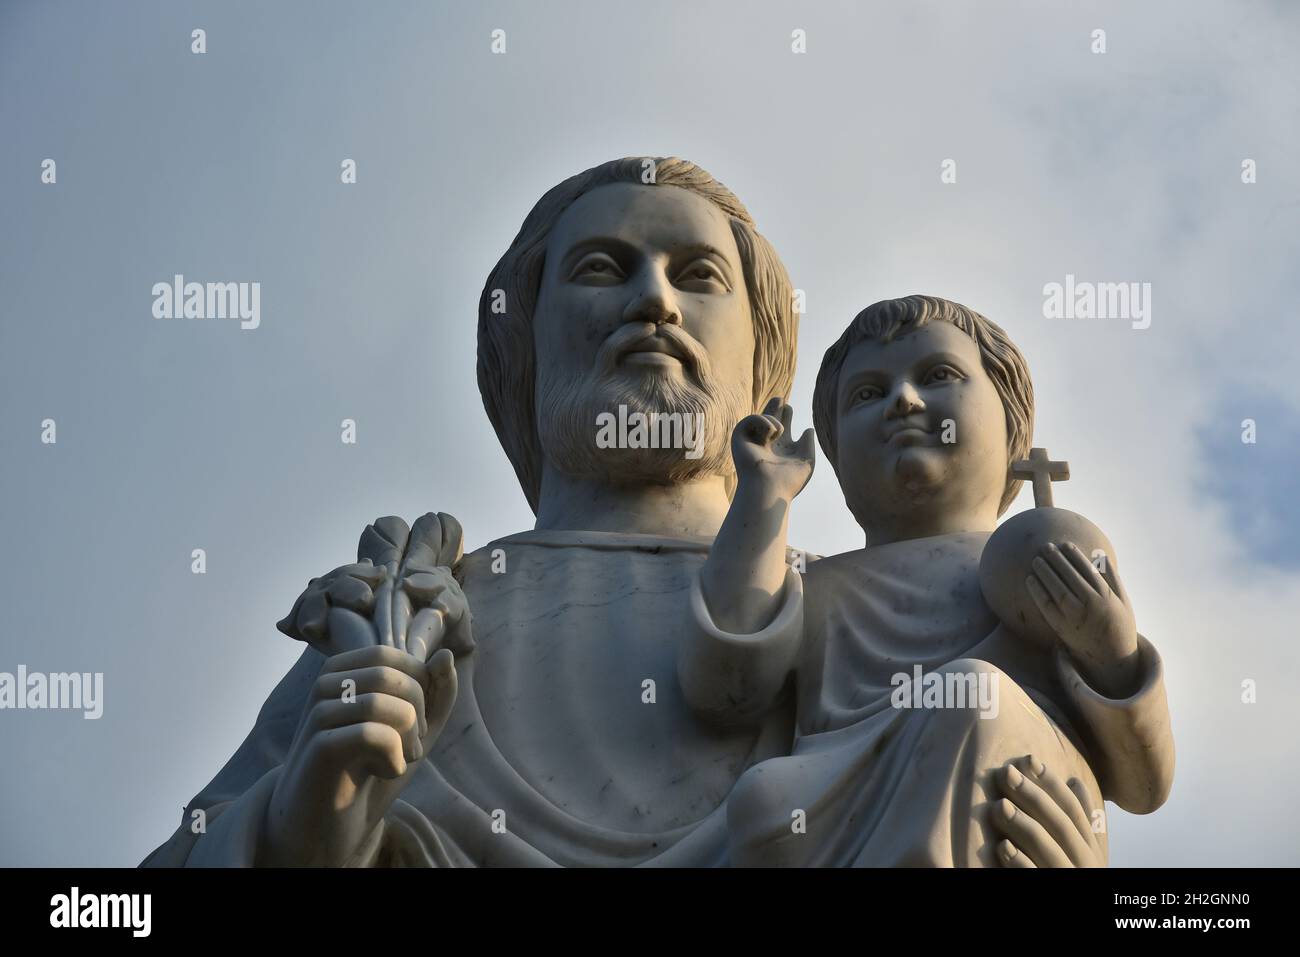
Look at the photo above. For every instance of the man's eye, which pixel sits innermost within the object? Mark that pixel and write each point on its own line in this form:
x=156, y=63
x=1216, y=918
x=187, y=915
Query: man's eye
x=598, y=267
x=701, y=271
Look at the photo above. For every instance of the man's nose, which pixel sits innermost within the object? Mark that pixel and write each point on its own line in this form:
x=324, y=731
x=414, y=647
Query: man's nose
x=906, y=400
x=653, y=300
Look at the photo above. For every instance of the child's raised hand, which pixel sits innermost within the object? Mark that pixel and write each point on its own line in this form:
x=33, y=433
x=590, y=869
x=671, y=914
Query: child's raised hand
x=766, y=458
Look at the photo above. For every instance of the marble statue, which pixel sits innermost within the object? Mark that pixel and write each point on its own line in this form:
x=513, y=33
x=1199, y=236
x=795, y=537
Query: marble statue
x=561, y=696
x=945, y=663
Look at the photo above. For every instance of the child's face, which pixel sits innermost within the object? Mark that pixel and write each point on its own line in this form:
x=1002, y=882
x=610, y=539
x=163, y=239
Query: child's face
x=921, y=433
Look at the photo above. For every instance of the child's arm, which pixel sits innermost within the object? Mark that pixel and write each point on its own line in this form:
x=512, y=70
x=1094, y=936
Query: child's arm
x=744, y=620
x=742, y=580
x=1130, y=740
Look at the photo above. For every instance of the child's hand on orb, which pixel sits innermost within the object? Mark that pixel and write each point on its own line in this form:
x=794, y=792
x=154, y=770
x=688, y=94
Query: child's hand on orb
x=1089, y=612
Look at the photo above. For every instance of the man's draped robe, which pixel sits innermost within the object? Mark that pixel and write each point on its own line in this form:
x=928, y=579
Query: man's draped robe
x=550, y=731
x=551, y=727
x=880, y=785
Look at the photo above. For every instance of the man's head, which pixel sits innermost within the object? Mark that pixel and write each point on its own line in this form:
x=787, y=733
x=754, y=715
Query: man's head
x=661, y=297
x=922, y=404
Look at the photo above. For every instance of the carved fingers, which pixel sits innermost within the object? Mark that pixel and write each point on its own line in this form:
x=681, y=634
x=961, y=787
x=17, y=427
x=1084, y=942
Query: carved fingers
x=757, y=431
x=763, y=448
x=442, y=691
x=379, y=656
x=1010, y=856
x=802, y=450
x=1074, y=596
x=1053, y=587
x=379, y=708
x=406, y=684
x=1045, y=822
x=367, y=711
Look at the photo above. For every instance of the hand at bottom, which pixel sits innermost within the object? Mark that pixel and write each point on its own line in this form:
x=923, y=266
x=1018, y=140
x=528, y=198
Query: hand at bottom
x=1044, y=821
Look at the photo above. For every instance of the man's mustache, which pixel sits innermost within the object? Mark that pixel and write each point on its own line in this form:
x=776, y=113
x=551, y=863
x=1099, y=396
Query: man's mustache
x=632, y=336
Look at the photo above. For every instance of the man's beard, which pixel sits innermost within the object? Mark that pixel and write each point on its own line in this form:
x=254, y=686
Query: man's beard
x=568, y=407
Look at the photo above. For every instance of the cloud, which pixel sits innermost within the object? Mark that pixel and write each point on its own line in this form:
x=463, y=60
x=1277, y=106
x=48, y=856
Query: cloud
x=1250, y=460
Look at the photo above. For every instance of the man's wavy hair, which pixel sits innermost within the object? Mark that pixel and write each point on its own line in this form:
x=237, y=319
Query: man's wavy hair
x=1002, y=361
x=506, y=362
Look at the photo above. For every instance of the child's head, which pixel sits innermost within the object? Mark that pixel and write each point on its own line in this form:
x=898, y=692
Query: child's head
x=920, y=407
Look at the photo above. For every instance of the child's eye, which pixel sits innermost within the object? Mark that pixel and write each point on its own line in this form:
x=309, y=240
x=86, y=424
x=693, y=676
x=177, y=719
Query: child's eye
x=943, y=374
x=867, y=393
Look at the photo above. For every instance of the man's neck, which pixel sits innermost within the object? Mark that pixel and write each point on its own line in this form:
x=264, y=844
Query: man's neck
x=690, y=509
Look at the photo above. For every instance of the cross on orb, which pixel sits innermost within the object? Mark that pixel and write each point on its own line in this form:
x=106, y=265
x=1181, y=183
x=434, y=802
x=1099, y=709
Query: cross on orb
x=1040, y=470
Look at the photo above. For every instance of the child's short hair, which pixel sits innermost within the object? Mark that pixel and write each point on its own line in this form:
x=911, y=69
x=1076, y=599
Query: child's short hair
x=883, y=321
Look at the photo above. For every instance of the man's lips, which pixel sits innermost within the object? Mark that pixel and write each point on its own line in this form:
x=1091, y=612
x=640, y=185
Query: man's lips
x=665, y=349
x=652, y=349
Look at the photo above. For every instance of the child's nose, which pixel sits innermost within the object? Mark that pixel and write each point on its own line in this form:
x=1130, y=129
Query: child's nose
x=906, y=401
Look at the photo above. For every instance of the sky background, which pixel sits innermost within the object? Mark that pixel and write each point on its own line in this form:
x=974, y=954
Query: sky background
x=225, y=166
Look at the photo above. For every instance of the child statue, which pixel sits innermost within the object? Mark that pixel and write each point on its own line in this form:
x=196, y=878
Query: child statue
x=955, y=686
